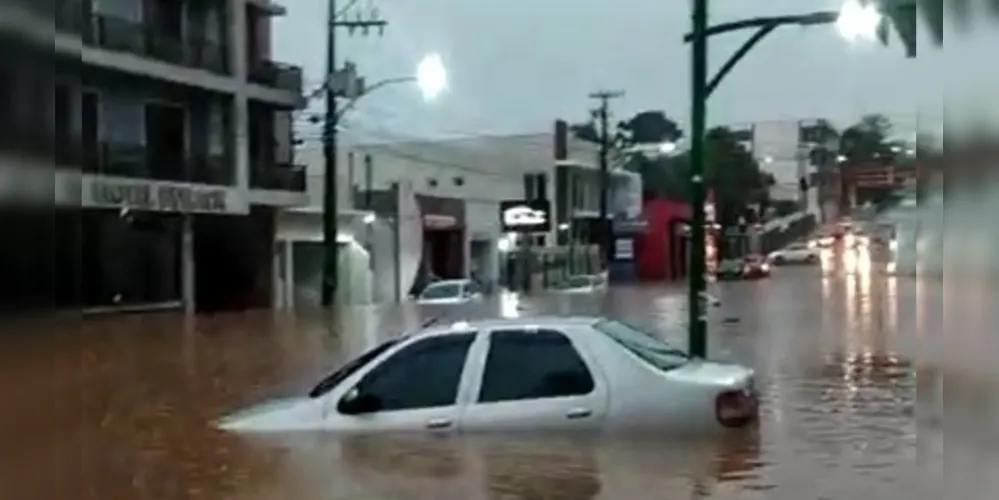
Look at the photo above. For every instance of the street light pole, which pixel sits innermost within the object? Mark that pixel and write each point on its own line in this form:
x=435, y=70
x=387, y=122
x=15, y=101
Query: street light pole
x=697, y=321
x=603, y=114
x=330, y=222
x=333, y=89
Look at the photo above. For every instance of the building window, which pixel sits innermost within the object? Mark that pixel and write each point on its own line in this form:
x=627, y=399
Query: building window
x=459, y=181
x=432, y=182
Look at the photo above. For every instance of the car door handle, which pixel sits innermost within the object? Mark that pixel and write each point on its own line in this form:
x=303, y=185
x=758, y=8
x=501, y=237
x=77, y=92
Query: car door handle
x=439, y=423
x=577, y=413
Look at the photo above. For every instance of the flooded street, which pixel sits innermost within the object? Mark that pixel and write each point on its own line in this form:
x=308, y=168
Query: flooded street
x=119, y=408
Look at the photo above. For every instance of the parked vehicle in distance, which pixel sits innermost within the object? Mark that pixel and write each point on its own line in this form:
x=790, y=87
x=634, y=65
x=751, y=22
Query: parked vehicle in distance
x=730, y=269
x=755, y=267
x=795, y=253
x=460, y=291
x=518, y=374
x=582, y=283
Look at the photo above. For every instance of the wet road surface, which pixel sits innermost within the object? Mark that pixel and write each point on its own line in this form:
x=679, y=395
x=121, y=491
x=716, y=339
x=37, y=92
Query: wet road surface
x=119, y=408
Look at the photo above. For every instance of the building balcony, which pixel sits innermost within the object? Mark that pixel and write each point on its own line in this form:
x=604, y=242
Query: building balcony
x=276, y=75
x=278, y=177
x=137, y=161
x=144, y=39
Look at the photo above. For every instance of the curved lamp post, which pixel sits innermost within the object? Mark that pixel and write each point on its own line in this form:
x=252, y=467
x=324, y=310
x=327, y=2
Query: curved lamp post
x=857, y=19
x=430, y=78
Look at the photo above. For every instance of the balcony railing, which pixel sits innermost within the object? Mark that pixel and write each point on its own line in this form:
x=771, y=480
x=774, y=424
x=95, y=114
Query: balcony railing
x=147, y=40
x=137, y=161
x=278, y=177
x=277, y=75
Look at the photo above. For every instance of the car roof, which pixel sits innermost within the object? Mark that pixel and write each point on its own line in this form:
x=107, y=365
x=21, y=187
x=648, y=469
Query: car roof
x=458, y=281
x=464, y=326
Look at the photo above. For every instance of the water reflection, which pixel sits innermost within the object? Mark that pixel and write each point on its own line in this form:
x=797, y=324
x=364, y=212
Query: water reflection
x=118, y=408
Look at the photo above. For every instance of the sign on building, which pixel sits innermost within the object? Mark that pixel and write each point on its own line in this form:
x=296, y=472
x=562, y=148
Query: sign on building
x=525, y=216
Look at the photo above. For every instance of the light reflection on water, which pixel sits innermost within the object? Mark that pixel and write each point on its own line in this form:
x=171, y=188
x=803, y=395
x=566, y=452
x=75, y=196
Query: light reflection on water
x=118, y=408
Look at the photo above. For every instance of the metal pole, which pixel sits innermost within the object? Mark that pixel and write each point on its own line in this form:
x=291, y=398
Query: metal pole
x=368, y=185
x=330, y=229
x=698, y=334
x=369, y=181
x=187, y=264
x=396, y=246
x=603, y=113
x=350, y=181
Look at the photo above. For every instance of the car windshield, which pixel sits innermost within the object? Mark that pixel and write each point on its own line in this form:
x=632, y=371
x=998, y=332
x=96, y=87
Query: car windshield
x=729, y=264
x=442, y=291
x=332, y=380
x=651, y=349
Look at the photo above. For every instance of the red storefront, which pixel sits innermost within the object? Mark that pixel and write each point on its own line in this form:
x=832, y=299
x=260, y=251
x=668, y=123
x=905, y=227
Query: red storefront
x=660, y=252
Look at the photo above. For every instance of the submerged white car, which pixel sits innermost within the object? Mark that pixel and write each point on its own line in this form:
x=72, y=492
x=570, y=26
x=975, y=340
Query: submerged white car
x=524, y=374
x=460, y=291
x=583, y=283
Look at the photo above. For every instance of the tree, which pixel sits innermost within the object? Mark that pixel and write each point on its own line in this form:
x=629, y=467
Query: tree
x=867, y=140
x=649, y=127
x=734, y=176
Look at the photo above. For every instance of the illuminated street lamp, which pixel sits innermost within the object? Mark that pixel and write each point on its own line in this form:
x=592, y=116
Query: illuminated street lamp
x=430, y=77
x=856, y=20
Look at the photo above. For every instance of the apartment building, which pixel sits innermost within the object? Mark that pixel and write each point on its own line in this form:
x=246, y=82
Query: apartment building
x=169, y=131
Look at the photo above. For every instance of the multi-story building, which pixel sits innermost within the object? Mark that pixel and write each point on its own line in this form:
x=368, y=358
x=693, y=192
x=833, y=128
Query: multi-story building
x=170, y=132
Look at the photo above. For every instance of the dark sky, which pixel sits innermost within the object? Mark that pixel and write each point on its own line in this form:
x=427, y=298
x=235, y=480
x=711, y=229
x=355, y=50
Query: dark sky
x=515, y=65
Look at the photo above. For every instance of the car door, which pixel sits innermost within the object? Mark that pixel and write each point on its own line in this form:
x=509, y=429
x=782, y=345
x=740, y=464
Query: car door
x=536, y=380
x=417, y=388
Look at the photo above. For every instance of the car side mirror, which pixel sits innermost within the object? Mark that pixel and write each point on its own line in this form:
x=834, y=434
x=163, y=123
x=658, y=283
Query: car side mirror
x=356, y=402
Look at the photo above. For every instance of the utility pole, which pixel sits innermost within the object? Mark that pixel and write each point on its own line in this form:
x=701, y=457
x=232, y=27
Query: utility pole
x=338, y=83
x=603, y=114
x=697, y=321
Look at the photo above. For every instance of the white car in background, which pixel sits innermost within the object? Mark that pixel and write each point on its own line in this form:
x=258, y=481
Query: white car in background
x=583, y=283
x=461, y=291
x=522, y=374
x=796, y=253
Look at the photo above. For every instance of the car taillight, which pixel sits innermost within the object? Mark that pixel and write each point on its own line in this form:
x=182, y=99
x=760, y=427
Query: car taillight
x=736, y=408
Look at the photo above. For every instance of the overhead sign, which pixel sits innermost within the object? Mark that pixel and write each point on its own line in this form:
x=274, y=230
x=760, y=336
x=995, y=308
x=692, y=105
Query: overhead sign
x=525, y=216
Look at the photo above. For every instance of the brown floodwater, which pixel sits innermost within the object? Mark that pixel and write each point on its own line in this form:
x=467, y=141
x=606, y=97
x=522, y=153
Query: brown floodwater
x=119, y=408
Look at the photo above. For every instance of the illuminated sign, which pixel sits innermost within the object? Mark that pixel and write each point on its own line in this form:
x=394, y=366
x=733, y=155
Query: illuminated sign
x=523, y=216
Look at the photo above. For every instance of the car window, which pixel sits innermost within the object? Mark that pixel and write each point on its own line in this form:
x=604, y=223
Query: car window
x=643, y=344
x=472, y=288
x=330, y=381
x=425, y=374
x=442, y=291
x=523, y=365
x=797, y=246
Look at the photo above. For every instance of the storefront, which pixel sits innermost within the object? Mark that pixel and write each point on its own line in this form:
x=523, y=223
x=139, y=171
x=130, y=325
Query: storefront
x=133, y=244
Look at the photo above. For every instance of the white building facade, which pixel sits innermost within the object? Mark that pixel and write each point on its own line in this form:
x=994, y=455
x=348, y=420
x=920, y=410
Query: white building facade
x=440, y=186
x=170, y=128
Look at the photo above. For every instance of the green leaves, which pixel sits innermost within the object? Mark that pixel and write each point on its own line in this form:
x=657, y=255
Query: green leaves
x=902, y=16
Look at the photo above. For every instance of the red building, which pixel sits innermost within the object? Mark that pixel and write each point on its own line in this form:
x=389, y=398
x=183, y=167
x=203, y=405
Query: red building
x=660, y=251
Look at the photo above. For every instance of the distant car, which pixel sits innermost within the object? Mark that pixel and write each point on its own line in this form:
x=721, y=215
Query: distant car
x=755, y=267
x=797, y=253
x=730, y=269
x=582, y=283
x=460, y=291
x=521, y=374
